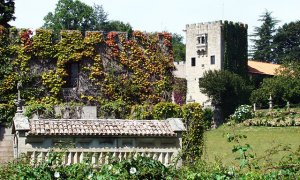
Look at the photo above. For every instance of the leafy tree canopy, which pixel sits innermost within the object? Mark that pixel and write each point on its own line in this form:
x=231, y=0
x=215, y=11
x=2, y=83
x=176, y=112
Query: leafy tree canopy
x=226, y=89
x=285, y=87
x=75, y=15
x=287, y=43
x=264, y=35
x=115, y=25
x=7, y=10
x=178, y=47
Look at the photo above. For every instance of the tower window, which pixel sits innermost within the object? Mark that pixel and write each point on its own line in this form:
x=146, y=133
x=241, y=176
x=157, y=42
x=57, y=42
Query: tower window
x=203, y=40
x=198, y=40
x=212, y=60
x=193, y=61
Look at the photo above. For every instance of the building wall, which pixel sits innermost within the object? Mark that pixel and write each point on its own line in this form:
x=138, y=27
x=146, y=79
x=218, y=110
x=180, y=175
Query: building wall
x=213, y=46
x=6, y=144
x=180, y=69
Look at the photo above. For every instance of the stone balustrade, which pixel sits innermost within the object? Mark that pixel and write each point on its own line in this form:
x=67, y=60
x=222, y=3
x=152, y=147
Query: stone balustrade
x=102, y=156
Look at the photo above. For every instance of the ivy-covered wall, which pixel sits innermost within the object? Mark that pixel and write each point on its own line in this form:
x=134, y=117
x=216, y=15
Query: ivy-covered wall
x=180, y=90
x=235, y=47
x=112, y=67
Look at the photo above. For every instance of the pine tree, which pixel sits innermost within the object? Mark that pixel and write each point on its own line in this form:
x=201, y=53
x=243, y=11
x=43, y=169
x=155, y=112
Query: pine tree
x=264, y=35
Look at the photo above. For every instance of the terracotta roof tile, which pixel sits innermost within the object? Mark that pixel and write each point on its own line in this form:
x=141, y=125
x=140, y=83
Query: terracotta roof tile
x=256, y=67
x=105, y=127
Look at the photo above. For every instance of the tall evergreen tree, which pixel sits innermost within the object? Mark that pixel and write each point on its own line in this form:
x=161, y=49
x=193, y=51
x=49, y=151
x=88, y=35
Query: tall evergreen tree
x=7, y=10
x=263, y=48
x=287, y=43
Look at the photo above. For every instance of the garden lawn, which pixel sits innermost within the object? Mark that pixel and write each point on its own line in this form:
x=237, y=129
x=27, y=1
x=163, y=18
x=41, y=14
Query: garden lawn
x=260, y=138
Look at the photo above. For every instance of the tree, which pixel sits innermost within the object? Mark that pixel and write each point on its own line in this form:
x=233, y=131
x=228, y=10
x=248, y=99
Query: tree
x=178, y=47
x=263, y=43
x=118, y=26
x=7, y=10
x=226, y=90
x=285, y=87
x=75, y=15
x=287, y=43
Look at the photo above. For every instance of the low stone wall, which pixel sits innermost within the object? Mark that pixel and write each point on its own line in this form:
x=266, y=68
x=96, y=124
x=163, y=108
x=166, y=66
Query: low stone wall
x=101, y=156
x=6, y=144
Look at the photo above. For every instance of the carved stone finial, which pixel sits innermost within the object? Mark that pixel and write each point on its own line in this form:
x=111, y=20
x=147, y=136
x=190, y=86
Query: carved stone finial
x=270, y=102
x=19, y=101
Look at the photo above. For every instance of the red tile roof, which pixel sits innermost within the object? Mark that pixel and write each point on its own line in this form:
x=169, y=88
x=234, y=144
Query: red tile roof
x=105, y=127
x=256, y=67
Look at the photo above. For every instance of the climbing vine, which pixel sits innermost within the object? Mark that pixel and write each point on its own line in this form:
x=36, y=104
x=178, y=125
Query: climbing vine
x=235, y=47
x=112, y=67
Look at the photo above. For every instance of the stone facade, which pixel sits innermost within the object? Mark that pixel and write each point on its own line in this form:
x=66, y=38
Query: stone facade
x=204, y=51
x=97, y=138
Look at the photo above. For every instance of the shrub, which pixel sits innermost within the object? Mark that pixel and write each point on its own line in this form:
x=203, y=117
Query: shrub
x=45, y=110
x=164, y=110
x=226, y=89
x=132, y=168
x=207, y=118
x=242, y=113
x=115, y=109
x=193, y=137
x=141, y=112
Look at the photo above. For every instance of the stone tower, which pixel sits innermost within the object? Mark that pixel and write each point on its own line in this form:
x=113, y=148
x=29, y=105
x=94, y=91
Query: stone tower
x=204, y=51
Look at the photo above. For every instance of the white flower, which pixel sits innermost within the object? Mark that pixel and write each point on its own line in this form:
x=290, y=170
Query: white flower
x=132, y=170
x=90, y=176
x=109, y=167
x=56, y=174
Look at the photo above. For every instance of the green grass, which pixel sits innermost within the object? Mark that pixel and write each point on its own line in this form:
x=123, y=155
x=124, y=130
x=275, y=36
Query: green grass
x=260, y=139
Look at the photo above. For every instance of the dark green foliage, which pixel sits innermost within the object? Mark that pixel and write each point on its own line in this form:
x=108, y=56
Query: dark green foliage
x=235, y=48
x=132, y=168
x=287, y=43
x=180, y=90
x=117, y=26
x=75, y=15
x=115, y=109
x=264, y=36
x=7, y=10
x=70, y=15
x=178, y=47
x=6, y=113
x=226, y=89
x=283, y=88
x=193, y=141
x=207, y=118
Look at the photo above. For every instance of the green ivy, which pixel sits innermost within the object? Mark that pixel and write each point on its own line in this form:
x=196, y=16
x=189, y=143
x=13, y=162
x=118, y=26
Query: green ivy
x=164, y=110
x=193, y=140
x=235, y=48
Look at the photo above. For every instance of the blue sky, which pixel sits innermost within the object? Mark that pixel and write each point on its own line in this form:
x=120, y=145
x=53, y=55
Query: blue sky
x=167, y=15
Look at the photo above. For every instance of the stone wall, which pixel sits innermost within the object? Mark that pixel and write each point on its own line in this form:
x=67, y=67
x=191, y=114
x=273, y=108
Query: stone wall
x=6, y=144
x=202, y=53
